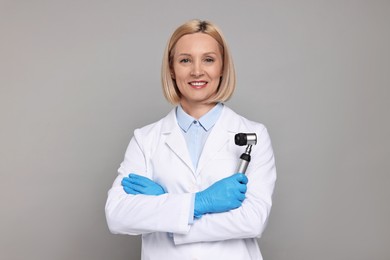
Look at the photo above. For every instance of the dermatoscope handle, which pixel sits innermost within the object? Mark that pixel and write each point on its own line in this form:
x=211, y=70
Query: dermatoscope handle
x=245, y=158
x=242, y=166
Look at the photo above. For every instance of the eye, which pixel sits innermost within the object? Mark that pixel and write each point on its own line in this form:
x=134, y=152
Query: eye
x=184, y=60
x=209, y=60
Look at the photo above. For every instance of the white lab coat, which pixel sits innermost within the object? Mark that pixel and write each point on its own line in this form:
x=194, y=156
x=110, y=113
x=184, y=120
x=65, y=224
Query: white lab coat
x=159, y=152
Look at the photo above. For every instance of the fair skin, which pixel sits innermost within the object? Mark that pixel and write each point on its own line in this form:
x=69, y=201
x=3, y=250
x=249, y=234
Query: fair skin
x=197, y=70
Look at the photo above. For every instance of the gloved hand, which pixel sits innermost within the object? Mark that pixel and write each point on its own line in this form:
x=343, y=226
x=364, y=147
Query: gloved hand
x=137, y=184
x=222, y=196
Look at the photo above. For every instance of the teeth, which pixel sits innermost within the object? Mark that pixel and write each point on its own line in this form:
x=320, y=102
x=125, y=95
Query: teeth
x=198, y=83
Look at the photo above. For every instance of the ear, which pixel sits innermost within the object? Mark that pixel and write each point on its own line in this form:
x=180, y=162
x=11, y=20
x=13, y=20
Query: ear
x=172, y=74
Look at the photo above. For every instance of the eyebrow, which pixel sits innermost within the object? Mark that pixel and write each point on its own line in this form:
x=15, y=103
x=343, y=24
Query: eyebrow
x=207, y=53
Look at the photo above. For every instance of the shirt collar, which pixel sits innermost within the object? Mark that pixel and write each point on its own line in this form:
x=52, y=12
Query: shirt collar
x=207, y=121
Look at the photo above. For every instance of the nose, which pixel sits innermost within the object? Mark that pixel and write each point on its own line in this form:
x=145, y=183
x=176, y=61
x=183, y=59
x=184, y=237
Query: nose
x=197, y=69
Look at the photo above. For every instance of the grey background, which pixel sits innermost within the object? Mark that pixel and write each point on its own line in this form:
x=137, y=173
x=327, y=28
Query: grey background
x=77, y=77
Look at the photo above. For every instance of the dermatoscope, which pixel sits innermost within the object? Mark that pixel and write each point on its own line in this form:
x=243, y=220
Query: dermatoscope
x=242, y=139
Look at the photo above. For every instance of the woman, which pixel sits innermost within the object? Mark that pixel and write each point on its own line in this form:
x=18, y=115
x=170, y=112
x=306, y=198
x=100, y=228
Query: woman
x=177, y=185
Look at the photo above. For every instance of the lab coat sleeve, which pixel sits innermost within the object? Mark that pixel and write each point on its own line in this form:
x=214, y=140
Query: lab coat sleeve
x=140, y=214
x=250, y=219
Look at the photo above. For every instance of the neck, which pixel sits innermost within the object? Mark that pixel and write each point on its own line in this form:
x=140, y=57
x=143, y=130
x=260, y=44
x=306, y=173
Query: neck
x=196, y=110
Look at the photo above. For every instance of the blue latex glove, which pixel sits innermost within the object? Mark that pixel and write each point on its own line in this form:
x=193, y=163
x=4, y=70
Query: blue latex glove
x=137, y=184
x=222, y=196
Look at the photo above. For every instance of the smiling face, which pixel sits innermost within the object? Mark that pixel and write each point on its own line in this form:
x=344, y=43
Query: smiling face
x=197, y=69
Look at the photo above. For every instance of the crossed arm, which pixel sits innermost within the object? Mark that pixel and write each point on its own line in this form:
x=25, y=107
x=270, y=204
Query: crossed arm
x=222, y=196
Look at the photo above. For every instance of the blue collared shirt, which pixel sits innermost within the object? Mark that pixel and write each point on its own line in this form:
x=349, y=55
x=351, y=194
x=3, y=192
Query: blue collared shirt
x=196, y=131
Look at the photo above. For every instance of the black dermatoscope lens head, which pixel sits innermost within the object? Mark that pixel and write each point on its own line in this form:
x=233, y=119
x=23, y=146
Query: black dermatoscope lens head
x=244, y=139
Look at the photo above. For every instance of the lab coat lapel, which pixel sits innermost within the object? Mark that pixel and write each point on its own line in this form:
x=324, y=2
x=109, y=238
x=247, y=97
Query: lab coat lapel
x=175, y=139
x=216, y=141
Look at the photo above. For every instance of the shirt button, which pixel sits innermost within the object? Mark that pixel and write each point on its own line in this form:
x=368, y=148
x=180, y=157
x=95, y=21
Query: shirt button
x=195, y=122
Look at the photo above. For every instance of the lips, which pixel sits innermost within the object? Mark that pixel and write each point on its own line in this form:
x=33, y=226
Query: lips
x=198, y=84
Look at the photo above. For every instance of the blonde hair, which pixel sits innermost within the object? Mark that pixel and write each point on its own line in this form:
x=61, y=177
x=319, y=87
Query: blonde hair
x=228, y=79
